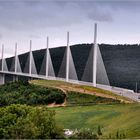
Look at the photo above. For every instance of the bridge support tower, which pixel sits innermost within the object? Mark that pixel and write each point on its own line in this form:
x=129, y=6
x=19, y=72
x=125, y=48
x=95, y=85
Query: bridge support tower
x=2, y=79
x=47, y=57
x=95, y=55
x=67, y=58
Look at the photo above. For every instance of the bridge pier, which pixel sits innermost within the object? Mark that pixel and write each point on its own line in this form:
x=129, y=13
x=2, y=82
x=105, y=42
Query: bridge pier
x=47, y=57
x=67, y=58
x=15, y=78
x=30, y=58
x=16, y=58
x=2, y=79
x=2, y=61
x=95, y=56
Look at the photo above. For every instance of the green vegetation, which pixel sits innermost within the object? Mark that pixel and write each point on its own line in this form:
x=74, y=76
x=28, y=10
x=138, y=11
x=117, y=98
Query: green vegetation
x=98, y=90
x=76, y=98
x=51, y=83
x=89, y=116
x=112, y=119
x=25, y=93
x=25, y=122
x=31, y=94
x=79, y=88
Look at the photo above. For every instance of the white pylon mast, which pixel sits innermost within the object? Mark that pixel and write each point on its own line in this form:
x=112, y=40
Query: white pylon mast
x=15, y=57
x=2, y=60
x=47, y=57
x=95, y=55
x=67, y=58
x=30, y=58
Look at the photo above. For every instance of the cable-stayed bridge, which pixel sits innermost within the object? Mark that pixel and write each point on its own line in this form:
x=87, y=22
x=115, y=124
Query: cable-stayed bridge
x=27, y=66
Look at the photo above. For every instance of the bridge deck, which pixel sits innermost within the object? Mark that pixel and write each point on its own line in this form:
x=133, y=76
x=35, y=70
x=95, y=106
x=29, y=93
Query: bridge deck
x=119, y=91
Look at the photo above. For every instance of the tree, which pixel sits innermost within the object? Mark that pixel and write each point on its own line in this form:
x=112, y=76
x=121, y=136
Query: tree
x=26, y=122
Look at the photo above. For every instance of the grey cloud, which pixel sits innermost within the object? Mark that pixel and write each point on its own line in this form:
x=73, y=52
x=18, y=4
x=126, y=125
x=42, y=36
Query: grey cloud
x=116, y=5
x=34, y=36
x=1, y=36
x=100, y=17
x=21, y=15
x=26, y=15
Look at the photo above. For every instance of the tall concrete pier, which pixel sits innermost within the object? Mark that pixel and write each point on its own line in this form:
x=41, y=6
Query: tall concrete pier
x=67, y=58
x=95, y=55
x=30, y=58
x=47, y=56
x=15, y=57
x=2, y=59
x=2, y=76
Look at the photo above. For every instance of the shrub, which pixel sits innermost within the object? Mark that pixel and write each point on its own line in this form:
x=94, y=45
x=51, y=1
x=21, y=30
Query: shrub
x=99, y=130
x=24, y=93
x=24, y=122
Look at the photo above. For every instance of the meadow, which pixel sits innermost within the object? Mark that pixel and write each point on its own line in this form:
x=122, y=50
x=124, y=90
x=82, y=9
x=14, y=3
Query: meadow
x=117, y=119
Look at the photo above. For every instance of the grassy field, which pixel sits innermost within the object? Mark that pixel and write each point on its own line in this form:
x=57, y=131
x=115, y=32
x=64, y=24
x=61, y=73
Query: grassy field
x=114, y=119
x=76, y=98
x=123, y=118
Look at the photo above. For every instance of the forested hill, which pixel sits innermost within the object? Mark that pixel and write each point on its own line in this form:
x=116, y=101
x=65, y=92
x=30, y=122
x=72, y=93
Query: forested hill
x=122, y=62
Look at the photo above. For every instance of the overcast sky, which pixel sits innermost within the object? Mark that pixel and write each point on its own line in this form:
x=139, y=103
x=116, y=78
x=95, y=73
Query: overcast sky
x=22, y=20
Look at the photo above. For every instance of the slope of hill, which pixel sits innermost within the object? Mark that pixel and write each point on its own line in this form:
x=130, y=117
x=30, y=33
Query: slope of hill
x=85, y=107
x=22, y=92
x=68, y=87
x=118, y=119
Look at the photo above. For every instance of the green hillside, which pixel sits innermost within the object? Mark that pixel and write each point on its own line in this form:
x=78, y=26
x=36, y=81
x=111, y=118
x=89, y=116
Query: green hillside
x=113, y=119
x=118, y=120
x=68, y=87
x=77, y=98
x=85, y=107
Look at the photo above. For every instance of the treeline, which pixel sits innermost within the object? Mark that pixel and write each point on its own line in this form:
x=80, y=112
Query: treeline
x=119, y=45
x=22, y=92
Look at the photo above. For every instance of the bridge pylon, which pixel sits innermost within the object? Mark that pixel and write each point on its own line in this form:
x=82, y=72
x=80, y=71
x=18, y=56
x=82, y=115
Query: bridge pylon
x=95, y=56
x=15, y=57
x=2, y=58
x=47, y=57
x=67, y=58
x=30, y=58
